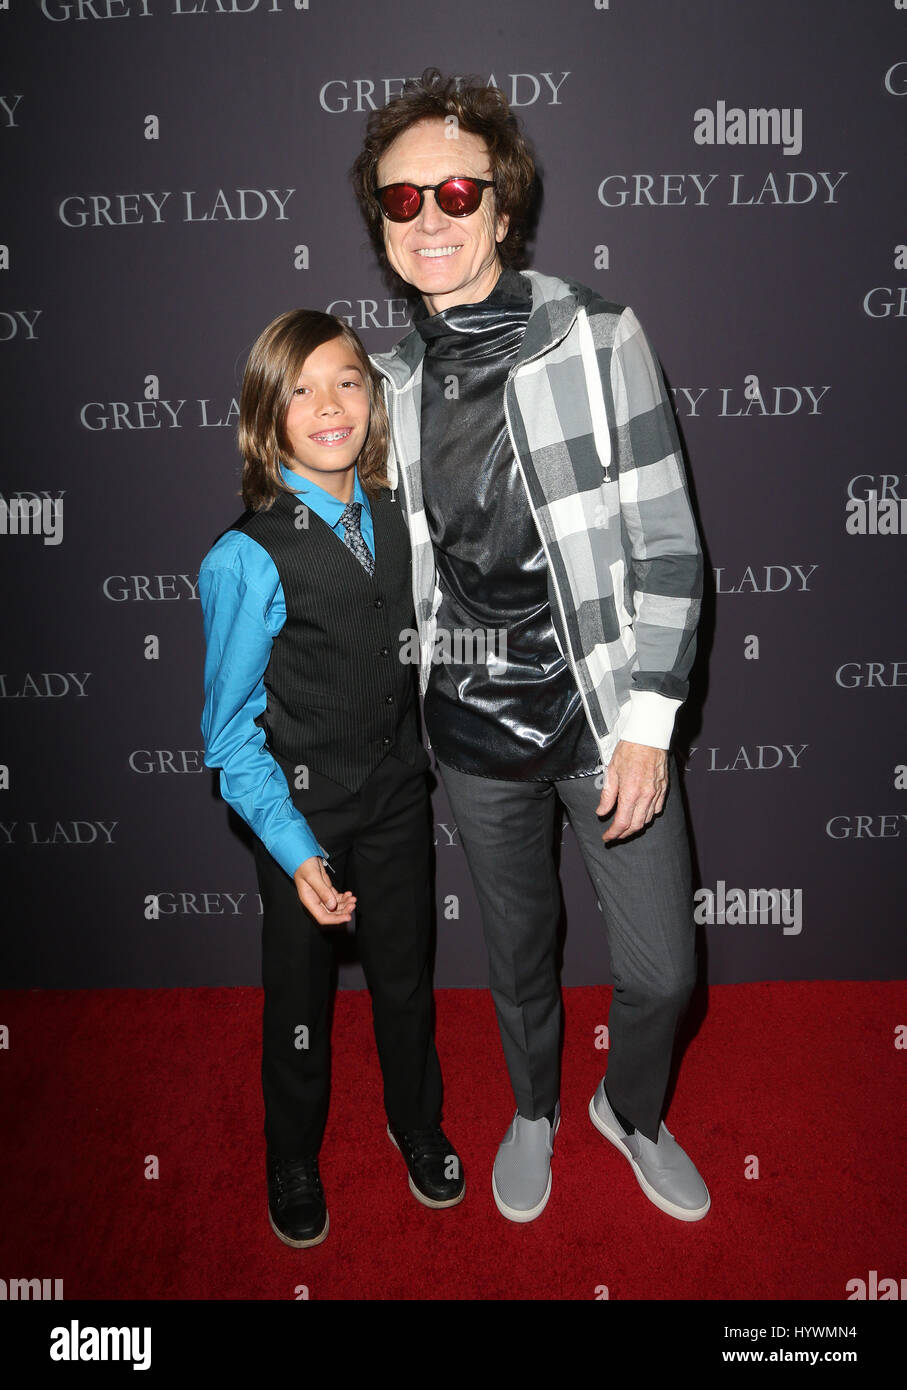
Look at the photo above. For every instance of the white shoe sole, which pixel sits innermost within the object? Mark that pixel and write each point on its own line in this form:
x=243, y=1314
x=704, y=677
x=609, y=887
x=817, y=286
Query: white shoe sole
x=301, y=1244
x=514, y=1213
x=681, y=1213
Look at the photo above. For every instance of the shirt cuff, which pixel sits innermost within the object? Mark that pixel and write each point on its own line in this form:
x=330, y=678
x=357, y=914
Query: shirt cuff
x=292, y=845
x=651, y=719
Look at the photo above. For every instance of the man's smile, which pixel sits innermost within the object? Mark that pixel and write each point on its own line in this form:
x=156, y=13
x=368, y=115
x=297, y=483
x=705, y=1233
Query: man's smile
x=436, y=250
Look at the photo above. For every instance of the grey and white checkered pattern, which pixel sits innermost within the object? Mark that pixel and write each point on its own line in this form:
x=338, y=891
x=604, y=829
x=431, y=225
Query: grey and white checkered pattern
x=595, y=439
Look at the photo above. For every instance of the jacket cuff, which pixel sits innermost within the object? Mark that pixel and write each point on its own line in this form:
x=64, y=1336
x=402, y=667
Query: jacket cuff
x=651, y=719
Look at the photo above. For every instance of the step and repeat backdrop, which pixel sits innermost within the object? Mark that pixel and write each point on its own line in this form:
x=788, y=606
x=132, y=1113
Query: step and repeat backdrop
x=175, y=174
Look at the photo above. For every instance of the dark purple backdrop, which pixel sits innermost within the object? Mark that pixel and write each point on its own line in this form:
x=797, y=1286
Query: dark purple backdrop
x=781, y=264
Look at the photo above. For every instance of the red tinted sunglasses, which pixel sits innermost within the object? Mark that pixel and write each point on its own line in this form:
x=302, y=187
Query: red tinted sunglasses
x=457, y=197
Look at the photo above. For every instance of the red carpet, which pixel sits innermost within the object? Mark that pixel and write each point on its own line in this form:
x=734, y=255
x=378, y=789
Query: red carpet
x=806, y=1077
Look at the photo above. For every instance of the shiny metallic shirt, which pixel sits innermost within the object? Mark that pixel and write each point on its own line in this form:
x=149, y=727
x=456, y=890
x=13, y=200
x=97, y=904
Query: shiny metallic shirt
x=521, y=718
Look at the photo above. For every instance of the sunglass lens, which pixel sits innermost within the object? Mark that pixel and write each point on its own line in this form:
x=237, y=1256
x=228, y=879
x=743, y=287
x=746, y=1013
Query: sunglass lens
x=401, y=202
x=459, y=197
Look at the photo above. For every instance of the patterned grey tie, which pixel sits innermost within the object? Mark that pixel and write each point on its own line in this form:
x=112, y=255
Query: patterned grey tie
x=352, y=537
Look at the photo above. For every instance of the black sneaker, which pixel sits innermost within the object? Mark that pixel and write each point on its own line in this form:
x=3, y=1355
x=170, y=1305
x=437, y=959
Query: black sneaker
x=296, y=1206
x=435, y=1172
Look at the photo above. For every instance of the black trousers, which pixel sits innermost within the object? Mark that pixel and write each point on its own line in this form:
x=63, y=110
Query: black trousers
x=379, y=843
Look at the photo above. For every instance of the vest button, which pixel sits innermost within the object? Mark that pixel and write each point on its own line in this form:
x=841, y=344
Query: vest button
x=385, y=651
x=385, y=741
x=379, y=602
x=388, y=699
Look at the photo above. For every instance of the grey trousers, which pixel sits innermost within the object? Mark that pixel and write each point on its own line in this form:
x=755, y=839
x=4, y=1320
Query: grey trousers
x=644, y=887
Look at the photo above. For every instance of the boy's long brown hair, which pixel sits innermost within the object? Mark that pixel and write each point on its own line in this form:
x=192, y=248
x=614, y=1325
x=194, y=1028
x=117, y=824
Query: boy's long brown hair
x=270, y=378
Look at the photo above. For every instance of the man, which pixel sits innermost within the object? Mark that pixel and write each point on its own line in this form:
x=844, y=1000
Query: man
x=542, y=478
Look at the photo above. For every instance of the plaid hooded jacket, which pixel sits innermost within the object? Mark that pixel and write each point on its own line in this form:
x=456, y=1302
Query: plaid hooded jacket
x=595, y=440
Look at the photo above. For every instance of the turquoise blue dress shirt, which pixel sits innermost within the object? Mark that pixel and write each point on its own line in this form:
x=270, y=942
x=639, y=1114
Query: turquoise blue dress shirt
x=244, y=609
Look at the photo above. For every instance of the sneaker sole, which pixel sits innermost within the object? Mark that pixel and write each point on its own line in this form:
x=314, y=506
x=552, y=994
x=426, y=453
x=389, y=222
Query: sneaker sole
x=514, y=1213
x=300, y=1244
x=420, y=1196
x=655, y=1197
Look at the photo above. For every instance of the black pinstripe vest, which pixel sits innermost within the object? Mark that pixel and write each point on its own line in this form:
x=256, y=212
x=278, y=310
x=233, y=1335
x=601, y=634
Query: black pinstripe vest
x=339, y=697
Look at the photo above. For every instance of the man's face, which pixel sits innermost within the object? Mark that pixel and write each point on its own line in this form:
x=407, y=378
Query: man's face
x=450, y=260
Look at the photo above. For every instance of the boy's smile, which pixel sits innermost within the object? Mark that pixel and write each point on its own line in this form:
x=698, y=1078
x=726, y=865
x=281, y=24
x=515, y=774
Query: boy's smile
x=331, y=436
x=327, y=420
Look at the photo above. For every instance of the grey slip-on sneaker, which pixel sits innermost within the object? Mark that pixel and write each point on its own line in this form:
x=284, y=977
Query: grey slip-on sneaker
x=666, y=1174
x=521, y=1178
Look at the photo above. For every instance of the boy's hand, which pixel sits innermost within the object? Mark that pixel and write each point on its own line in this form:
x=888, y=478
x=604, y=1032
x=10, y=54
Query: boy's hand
x=317, y=894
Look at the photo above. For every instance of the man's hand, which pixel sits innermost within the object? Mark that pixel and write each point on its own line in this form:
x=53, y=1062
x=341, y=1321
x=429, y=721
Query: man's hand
x=637, y=777
x=316, y=893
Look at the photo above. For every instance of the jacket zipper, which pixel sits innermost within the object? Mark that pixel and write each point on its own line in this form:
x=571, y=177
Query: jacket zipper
x=391, y=390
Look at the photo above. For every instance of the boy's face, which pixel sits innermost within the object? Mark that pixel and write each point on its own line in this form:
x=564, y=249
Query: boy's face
x=327, y=421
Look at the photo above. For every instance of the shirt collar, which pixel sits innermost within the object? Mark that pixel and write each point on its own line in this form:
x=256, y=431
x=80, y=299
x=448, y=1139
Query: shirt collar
x=329, y=508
